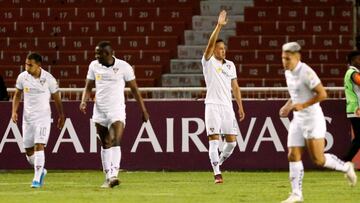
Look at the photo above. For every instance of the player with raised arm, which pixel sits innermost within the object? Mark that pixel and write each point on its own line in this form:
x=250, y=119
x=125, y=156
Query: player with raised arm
x=109, y=75
x=38, y=86
x=220, y=78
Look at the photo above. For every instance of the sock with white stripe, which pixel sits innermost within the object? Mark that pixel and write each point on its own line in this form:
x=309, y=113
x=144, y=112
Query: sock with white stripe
x=39, y=162
x=227, y=151
x=214, y=155
x=296, y=176
x=30, y=159
x=115, y=160
x=332, y=162
x=106, y=161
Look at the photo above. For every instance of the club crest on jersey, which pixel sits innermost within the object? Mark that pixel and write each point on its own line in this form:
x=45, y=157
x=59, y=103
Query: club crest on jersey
x=42, y=81
x=115, y=70
x=26, y=89
x=228, y=66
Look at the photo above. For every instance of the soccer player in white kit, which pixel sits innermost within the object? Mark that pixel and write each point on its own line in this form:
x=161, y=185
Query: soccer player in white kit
x=308, y=126
x=109, y=75
x=220, y=78
x=38, y=86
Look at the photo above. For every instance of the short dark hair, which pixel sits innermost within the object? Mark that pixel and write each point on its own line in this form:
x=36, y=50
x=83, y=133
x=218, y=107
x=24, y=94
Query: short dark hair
x=351, y=55
x=35, y=56
x=103, y=44
x=219, y=40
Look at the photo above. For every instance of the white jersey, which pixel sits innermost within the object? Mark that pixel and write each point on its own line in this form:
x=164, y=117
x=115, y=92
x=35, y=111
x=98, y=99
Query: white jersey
x=218, y=76
x=110, y=83
x=37, y=93
x=300, y=82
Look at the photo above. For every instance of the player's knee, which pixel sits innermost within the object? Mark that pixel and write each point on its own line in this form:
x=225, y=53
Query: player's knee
x=29, y=151
x=106, y=142
x=39, y=147
x=292, y=157
x=319, y=161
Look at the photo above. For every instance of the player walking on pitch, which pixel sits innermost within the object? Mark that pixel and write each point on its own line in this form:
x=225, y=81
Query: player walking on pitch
x=308, y=127
x=220, y=78
x=37, y=85
x=109, y=75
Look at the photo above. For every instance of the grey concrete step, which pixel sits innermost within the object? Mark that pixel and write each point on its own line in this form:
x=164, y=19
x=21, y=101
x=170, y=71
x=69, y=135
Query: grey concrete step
x=209, y=22
x=191, y=51
x=182, y=80
x=201, y=37
x=234, y=7
x=186, y=66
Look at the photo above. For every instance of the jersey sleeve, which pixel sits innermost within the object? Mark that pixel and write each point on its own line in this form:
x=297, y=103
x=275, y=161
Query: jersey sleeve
x=233, y=71
x=204, y=62
x=19, y=83
x=129, y=73
x=53, y=85
x=311, y=78
x=90, y=74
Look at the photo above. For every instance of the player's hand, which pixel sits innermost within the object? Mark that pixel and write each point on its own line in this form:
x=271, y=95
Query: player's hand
x=14, y=117
x=284, y=111
x=241, y=114
x=222, y=20
x=61, y=121
x=298, y=107
x=83, y=107
x=145, y=116
x=357, y=112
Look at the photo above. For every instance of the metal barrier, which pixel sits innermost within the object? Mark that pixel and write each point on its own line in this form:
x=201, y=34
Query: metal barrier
x=198, y=93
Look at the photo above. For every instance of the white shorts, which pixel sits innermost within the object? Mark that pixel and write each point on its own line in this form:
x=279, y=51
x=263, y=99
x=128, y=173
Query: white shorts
x=36, y=133
x=107, y=118
x=301, y=129
x=220, y=119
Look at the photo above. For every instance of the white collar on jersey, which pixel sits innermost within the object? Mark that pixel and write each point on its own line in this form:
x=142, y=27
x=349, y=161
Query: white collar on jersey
x=297, y=67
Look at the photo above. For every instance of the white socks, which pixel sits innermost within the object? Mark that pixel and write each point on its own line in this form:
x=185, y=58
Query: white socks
x=106, y=157
x=227, y=151
x=332, y=162
x=39, y=162
x=214, y=155
x=115, y=162
x=296, y=176
x=30, y=159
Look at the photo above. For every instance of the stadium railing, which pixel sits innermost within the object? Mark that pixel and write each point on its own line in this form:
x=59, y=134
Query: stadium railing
x=198, y=93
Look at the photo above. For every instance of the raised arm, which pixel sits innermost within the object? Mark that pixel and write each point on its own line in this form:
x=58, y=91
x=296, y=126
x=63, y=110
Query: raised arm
x=237, y=94
x=59, y=107
x=135, y=91
x=86, y=94
x=222, y=20
x=15, y=105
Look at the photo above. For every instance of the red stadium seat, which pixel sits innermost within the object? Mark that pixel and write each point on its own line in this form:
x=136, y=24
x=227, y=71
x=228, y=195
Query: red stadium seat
x=64, y=72
x=10, y=71
x=146, y=71
x=302, y=2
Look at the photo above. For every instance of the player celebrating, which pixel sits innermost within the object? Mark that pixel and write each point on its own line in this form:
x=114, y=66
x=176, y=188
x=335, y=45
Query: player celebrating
x=220, y=78
x=37, y=85
x=308, y=126
x=109, y=75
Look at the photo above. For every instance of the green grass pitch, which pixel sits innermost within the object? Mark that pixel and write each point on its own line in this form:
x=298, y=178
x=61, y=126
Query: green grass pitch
x=181, y=187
